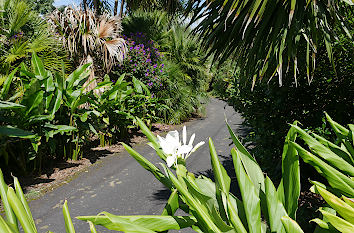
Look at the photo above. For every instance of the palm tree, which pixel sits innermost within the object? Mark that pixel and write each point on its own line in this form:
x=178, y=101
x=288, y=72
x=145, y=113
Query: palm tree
x=265, y=38
x=89, y=38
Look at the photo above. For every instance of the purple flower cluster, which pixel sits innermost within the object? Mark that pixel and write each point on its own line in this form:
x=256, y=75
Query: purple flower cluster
x=144, y=61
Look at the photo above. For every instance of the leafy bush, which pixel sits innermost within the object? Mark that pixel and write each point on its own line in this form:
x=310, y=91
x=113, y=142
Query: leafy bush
x=143, y=62
x=210, y=205
x=24, y=32
x=56, y=114
x=184, y=75
x=268, y=108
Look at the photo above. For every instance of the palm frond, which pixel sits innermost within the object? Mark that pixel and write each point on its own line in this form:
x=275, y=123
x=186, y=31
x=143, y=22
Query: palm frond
x=264, y=37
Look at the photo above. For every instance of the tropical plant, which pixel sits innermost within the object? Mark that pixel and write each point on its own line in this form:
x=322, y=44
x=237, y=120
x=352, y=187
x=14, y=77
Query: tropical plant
x=267, y=38
x=42, y=6
x=143, y=62
x=210, y=205
x=338, y=216
x=48, y=105
x=332, y=160
x=17, y=211
x=184, y=75
x=90, y=38
x=22, y=32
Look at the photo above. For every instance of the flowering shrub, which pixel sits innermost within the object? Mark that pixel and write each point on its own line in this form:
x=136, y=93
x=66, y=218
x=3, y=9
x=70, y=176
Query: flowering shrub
x=143, y=62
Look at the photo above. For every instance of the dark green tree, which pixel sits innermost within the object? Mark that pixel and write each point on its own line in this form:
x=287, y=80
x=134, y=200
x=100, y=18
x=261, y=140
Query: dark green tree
x=42, y=6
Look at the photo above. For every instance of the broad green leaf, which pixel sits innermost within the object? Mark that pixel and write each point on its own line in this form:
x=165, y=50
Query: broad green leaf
x=222, y=180
x=250, y=198
x=234, y=215
x=92, y=227
x=151, y=138
x=137, y=85
x=69, y=227
x=252, y=168
x=336, y=149
x=22, y=198
x=148, y=166
x=349, y=201
x=81, y=71
x=38, y=67
x=20, y=212
x=343, y=209
x=324, y=152
x=276, y=209
x=200, y=210
x=10, y=215
x=290, y=225
x=15, y=132
x=320, y=223
x=58, y=100
x=140, y=223
x=335, y=178
x=6, y=85
x=10, y=105
x=290, y=174
x=171, y=205
x=34, y=101
x=4, y=228
x=340, y=130
x=339, y=223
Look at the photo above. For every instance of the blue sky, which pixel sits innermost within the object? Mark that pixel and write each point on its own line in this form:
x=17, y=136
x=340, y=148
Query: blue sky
x=65, y=2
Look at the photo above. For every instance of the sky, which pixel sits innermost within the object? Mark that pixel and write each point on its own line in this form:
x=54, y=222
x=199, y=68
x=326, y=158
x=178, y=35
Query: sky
x=65, y=2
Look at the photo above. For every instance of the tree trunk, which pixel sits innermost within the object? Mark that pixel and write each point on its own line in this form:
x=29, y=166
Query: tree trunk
x=121, y=8
x=95, y=6
x=84, y=4
x=115, y=7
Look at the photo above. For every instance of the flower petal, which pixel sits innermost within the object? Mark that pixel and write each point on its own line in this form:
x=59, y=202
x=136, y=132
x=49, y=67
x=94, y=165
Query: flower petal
x=191, y=140
x=170, y=160
x=197, y=146
x=184, y=135
x=185, y=149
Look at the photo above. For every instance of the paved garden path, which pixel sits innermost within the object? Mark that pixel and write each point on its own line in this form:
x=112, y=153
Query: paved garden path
x=119, y=185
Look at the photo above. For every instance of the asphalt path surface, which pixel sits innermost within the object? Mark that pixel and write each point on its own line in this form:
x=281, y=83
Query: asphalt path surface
x=119, y=185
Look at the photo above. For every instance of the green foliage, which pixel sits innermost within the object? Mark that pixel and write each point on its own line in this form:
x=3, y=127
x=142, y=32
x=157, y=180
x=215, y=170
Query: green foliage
x=268, y=109
x=185, y=73
x=23, y=32
x=17, y=211
x=210, y=205
x=265, y=38
x=57, y=116
x=42, y=6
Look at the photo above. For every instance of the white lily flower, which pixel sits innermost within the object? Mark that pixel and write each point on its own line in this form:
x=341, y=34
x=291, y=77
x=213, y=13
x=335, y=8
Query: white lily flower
x=172, y=146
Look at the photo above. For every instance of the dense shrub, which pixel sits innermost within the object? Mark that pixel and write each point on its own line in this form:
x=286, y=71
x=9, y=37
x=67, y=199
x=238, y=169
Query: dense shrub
x=181, y=67
x=143, y=61
x=268, y=109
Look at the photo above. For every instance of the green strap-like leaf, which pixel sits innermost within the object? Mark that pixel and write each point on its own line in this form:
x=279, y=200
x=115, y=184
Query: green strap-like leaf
x=149, y=166
x=69, y=227
x=22, y=198
x=20, y=212
x=290, y=225
x=6, y=85
x=290, y=175
x=324, y=152
x=250, y=198
x=343, y=209
x=335, y=178
x=252, y=168
x=10, y=215
x=276, y=209
x=339, y=223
